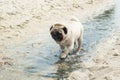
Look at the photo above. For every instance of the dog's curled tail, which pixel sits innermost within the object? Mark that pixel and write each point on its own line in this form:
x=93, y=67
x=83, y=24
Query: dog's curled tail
x=74, y=19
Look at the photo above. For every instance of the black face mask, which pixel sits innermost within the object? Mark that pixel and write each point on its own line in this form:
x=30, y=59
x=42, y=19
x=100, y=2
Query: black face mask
x=57, y=36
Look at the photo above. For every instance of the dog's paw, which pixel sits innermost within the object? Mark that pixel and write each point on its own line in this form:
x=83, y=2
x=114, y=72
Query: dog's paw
x=63, y=56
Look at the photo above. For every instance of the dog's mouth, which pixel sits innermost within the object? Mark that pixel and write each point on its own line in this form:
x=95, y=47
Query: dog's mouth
x=57, y=36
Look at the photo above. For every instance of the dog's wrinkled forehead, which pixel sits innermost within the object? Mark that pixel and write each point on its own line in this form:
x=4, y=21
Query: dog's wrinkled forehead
x=56, y=26
x=59, y=27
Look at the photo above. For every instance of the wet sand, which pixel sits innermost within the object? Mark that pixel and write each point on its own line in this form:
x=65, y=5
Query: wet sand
x=105, y=64
x=24, y=30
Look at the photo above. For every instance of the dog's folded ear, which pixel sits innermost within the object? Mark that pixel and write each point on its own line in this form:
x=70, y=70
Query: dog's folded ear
x=65, y=30
x=51, y=28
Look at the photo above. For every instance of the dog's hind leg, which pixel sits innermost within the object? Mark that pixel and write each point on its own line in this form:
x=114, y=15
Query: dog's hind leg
x=80, y=39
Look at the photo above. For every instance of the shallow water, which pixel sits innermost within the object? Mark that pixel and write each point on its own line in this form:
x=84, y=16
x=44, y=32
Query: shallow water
x=40, y=54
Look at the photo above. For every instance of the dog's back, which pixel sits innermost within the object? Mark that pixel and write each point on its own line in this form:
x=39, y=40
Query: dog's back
x=74, y=19
x=76, y=27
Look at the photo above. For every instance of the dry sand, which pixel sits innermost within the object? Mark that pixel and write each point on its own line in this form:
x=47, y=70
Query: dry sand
x=21, y=19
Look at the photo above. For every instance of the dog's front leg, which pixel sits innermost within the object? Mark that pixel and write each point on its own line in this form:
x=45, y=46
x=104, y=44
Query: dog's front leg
x=65, y=53
x=62, y=48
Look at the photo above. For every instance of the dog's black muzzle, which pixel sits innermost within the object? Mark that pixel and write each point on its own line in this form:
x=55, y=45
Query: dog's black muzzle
x=57, y=36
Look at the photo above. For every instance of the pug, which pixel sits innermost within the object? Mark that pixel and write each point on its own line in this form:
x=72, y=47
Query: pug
x=66, y=34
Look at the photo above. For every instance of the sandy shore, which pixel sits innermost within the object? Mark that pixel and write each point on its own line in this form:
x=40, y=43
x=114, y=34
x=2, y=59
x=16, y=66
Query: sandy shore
x=105, y=64
x=107, y=59
x=20, y=20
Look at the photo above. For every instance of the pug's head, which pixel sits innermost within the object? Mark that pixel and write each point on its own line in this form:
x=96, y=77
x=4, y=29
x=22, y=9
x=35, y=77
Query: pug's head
x=58, y=32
